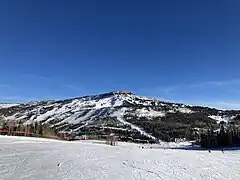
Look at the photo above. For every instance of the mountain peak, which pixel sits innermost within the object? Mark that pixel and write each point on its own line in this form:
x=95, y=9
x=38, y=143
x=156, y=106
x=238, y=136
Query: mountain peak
x=122, y=92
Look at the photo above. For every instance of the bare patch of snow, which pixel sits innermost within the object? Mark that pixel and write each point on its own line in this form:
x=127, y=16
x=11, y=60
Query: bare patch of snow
x=172, y=111
x=143, y=112
x=221, y=118
x=184, y=110
x=46, y=115
x=115, y=128
x=7, y=105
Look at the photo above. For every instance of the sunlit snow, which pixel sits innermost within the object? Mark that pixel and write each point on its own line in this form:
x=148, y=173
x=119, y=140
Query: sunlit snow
x=24, y=158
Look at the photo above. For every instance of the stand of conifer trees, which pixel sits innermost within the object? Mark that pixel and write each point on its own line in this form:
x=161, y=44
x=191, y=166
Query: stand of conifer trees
x=224, y=138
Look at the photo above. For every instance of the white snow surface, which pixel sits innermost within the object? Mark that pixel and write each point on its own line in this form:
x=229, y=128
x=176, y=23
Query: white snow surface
x=24, y=158
x=185, y=110
x=221, y=118
x=4, y=105
x=149, y=113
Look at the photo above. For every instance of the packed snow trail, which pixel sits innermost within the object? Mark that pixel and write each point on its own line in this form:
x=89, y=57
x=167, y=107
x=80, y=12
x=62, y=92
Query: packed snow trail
x=119, y=114
x=24, y=158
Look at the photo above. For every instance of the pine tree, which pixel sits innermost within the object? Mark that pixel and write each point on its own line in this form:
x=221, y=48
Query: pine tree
x=40, y=129
x=4, y=125
x=31, y=128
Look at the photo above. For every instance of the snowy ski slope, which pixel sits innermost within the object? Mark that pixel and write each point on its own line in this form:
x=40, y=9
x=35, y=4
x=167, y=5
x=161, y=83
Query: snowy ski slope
x=5, y=105
x=24, y=158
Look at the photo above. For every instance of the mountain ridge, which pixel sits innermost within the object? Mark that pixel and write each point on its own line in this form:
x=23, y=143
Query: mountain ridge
x=123, y=113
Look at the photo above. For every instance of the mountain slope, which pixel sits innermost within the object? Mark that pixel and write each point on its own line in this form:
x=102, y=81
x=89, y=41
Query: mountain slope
x=123, y=113
x=6, y=105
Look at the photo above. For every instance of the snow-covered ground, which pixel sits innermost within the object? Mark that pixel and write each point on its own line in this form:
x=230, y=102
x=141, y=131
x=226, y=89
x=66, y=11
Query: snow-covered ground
x=24, y=158
x=4, y=105
x=221, y=118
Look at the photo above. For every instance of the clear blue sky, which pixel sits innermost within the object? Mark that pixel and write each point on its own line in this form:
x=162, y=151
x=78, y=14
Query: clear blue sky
x=186, y=51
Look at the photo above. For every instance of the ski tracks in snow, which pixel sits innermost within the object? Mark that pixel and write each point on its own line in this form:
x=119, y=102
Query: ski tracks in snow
x=144, y=170
x=86, y=161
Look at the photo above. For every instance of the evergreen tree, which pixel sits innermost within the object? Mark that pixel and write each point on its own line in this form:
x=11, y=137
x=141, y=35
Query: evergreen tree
x=4, y=125
x=31, y=128
x=40, y=129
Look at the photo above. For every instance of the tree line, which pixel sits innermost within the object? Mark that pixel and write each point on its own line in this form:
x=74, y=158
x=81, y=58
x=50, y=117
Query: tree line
x=20, y=128
x=225, y=137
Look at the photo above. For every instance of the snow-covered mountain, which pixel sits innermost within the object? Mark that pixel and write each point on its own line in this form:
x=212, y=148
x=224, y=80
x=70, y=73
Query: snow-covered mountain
x=120, y=112
x=6, y=105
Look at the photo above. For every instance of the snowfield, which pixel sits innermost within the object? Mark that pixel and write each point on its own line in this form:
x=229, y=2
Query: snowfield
x=24, y=158
x=4, y=105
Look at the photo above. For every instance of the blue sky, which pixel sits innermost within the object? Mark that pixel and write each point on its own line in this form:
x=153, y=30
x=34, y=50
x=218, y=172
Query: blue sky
x=184, y=51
